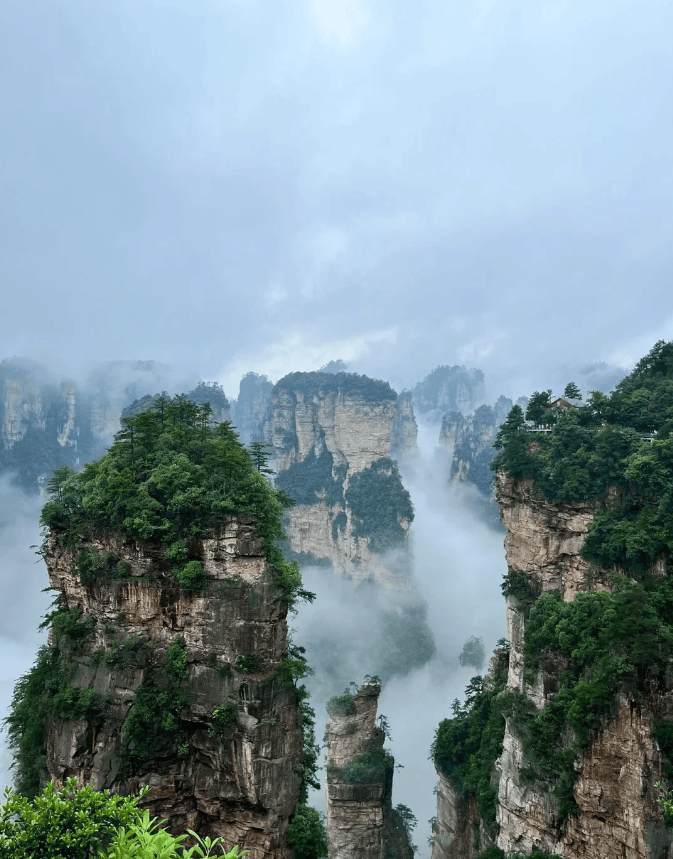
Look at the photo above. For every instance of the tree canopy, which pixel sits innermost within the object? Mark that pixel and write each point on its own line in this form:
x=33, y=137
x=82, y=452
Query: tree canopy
x=169, y=475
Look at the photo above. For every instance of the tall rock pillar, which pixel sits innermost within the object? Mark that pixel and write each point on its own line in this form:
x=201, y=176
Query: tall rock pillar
x=361, y=822
x=177, y=689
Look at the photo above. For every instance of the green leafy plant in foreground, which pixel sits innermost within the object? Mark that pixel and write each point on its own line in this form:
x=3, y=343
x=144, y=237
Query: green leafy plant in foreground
x=63, y=824
x=146, y=840
x=73, y=823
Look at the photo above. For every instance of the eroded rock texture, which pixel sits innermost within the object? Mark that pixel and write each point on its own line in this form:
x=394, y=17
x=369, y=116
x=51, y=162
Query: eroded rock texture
x=324, y=429
x=361, y=822
x=618, y=814
x=230, y=768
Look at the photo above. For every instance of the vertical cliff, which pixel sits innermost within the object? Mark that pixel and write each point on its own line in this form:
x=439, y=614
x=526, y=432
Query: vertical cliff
x=405, y=429
x=548, y=783
x=254, y=396
x=47, y=422
x=466, y=443
x=616, y=811
x=332, y=437
x=168, y=661
x=449, y=389
x=191, y=695
x=361, y=822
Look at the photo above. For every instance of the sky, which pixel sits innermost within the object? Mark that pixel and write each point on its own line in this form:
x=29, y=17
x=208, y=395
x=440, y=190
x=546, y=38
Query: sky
x=235, y=185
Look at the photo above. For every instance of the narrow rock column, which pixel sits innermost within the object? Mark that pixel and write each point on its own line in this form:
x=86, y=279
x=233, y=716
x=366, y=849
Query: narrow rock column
x=361, y=823
x=225, y=761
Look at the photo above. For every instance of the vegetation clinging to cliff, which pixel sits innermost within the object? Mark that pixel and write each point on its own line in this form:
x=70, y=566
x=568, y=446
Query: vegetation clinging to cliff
x=621, y=440
x=318, y=385
x=379, y=503
x=604, y=642
x=466, y=746
x=169, y=476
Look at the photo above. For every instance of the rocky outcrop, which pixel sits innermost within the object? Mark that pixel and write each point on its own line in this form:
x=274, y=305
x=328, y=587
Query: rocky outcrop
x=361, y=822
x=617, y=813
x=615, y=791
x=350, y=416
x=405, y=429
x=325, y=429
x=449, y=389
x=315, y=530
x=466, y=443
x=254, y=396
x=227, y=765
x=47, y=422
x=456, y=823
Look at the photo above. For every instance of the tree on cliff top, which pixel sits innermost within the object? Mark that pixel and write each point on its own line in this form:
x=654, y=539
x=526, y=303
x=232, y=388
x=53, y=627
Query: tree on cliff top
x=168, y=476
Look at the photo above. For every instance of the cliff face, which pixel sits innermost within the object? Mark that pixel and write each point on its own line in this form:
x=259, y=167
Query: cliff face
x=47, y=422
x=254, y=396
x=227, y=763
x=449, y=389
x=348, y=415
x=405, y=430
x=467, y=443
x=326, y=431
x=361, y=823
x=614, y=790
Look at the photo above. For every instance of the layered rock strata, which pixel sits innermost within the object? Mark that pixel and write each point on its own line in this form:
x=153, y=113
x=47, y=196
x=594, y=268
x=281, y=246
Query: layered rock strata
x=325, y=428
x=231, y=767
x=616, y=775
x=361, y=822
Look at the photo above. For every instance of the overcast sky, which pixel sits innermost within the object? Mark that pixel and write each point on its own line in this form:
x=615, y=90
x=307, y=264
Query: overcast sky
x=234, y=185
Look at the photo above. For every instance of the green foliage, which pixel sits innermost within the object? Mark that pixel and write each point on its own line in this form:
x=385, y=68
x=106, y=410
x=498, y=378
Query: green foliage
x=511, y=442
x=492, y=853
x=409, y=819
x=519, y=586
x=42, y=692
x=145, y=839
x=609, y=442
x=538, y=410
x=152, y=727
x=608, y=641
x=319, y=385
x=572, y=392
x=306, y=834
x=473, y=653
x=225, y=716
x=94, y=567
x=70, y=823
x=293, y=668
x=666, y=803
x=378, y=503
x=247, y=663
x=191, y=576
x=168, y=476
x=339, y=523
x=70, y=626
x=259, y=454
x=341, y=705
x=466, y=746
x=367, y=767
x=74, y=823
x=313, y=479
